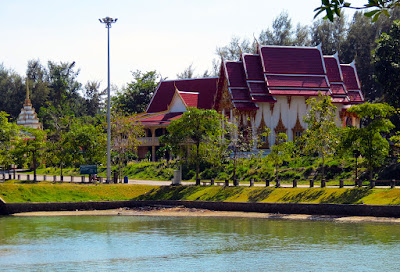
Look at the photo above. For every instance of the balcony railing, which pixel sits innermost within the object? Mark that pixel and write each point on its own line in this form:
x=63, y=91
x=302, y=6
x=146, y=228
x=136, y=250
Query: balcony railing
x=149, y=141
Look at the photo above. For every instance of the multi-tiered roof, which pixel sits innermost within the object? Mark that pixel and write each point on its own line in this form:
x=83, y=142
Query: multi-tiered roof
x=258, y=78
x=287, y=71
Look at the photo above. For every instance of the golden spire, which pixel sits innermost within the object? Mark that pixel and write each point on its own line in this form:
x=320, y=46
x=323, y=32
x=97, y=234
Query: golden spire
x=27, y=88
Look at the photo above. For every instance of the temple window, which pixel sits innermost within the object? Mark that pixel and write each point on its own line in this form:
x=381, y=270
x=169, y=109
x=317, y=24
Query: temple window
x=262, y=133
x=297, y=129
x=280, y=128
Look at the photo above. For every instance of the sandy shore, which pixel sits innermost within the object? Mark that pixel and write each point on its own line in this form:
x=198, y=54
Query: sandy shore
x=184, y=212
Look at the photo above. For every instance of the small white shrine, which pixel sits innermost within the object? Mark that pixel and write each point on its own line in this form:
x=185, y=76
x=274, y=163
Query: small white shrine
x=28, y=116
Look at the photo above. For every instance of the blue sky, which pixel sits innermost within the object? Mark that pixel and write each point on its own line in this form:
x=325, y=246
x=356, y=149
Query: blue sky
x=166, y=36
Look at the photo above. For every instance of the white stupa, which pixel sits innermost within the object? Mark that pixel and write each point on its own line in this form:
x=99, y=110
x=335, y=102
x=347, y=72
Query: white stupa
x=28, y=116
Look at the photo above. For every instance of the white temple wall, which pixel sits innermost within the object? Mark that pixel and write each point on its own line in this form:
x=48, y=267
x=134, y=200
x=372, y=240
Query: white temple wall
x=338, y=121
x=288, y=114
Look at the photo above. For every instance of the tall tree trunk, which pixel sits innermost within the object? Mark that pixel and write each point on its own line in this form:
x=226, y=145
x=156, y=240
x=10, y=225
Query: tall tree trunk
x=197, y=164
x=34, y=166
x=234, y=169
x=323, y=167
x=61, y=166
x=370, y=174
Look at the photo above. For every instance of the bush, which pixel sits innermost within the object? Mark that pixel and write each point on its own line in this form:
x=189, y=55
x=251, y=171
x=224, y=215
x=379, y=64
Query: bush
x=209, y=173
x=287, y=175
x=307, y=172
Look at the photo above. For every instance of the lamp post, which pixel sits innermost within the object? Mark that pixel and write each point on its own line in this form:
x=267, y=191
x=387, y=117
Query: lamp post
x=108, y=21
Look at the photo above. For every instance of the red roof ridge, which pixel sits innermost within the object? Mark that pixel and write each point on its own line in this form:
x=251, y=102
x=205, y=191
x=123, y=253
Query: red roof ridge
x=292, y=46
x=299, y=75
x=186, y=79
x=154, y=94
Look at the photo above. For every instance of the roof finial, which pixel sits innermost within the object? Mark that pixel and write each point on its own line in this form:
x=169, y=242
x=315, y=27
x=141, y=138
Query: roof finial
x=221, y=54
x=258, y=44
x=240, y=52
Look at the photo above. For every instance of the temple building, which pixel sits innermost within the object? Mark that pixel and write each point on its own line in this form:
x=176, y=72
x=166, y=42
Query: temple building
x=169, y=102
x=28, y=116
x=264, y=90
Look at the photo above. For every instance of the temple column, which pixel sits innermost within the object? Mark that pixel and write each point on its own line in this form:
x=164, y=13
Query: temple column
x=153, y=153
x=254, y=132
x=153, y=147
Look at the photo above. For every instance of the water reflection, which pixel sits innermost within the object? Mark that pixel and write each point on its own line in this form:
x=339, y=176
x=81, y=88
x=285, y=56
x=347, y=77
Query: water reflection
x=125, y=243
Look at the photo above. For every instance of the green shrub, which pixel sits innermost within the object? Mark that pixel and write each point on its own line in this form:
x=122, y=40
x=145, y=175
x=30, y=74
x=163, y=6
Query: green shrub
x=287, y=175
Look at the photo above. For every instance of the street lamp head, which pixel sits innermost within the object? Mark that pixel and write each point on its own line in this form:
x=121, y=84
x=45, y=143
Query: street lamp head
x=108, y=21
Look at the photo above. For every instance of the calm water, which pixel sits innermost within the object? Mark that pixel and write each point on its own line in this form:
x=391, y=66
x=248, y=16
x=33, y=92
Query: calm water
x=125, y=243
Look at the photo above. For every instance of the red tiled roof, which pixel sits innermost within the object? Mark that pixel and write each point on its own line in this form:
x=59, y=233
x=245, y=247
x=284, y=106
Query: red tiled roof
x=191, y=99
x=292, y=60
x=240, y=94
x=258, y=87
x=163, y=118
x=355, y=97
x=349, y=77
x=253, y=67
x=236, y=74
x=250, y=106
x=263, y=98
x=338, y=88
x=301, y=92
x=206, y=87
x=297, y=81
x=332, y=69
x=340, y=99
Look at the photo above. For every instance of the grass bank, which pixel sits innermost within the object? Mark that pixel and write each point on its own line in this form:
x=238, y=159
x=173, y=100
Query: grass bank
x=47, y=192
x=282, y=195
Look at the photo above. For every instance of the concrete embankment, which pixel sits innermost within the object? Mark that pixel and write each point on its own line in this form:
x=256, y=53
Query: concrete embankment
x=282, y=208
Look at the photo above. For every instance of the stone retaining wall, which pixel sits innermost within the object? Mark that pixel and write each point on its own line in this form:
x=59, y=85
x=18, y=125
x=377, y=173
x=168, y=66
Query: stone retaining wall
x=282, y=208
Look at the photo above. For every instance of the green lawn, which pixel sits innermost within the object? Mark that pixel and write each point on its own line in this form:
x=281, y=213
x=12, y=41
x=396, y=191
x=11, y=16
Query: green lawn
x=47, y=192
